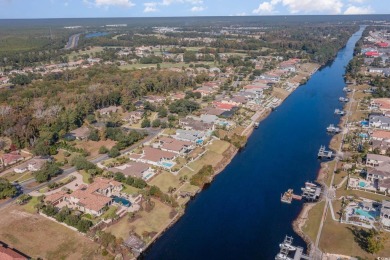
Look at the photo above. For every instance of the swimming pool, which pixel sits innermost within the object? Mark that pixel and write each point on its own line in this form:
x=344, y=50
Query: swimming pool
x=362, y=184
x=368, y=214
x=167, y=164
x=363, y=135
x=122, y=201
x=199, y=141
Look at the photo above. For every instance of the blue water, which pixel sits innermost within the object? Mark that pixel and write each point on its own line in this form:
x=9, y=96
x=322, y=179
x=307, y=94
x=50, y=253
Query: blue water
x=362, y=184
x=167, y=164
x=369, y=215
x=240, y=215
x=122, y=201
x=96, y=34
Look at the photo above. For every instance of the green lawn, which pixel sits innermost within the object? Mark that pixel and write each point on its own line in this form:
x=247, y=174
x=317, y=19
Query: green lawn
x=85, y=175
x=130, y=190
x=109, y=214
x=218, y=146
x=30, y=206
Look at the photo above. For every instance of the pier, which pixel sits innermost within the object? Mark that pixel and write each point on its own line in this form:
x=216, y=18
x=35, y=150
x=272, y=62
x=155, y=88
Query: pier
x=290, y=252
x=347, y=89
x=311, y=192
x=289, y=195
x=322, y=153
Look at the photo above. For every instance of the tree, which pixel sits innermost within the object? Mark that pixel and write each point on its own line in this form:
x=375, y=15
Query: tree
x=7, y=190
x=145, y=123
x=162, y=112
x=114, y=152
x=103, y=149
x=94, y=135
x=156, y=123
x=20, y=79
x=375, y=241
x=48, y=171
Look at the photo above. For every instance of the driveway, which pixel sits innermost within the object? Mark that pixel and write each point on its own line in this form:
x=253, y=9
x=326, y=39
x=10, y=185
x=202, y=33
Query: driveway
x=72, y=185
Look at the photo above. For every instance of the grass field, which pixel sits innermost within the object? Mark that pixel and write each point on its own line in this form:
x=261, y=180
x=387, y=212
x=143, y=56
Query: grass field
x=38, y=236
x=165, y=180
x=218, y=146
x=313, y=221
x=152, y=221
x=130, y=190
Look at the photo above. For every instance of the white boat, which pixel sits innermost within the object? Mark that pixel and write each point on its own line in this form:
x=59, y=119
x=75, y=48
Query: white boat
x=339, y=112
x=332, y=129
x=287, y=246
x=281, y=256
x=343, y=99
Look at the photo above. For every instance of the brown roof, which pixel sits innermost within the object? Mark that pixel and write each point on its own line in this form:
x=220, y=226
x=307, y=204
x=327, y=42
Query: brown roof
x=381, y=134
x=55, y=196
x=174, y=144
x=91, y=201
x=155, y=155
x=81, y=132
x=134, y=169
x=7, y=253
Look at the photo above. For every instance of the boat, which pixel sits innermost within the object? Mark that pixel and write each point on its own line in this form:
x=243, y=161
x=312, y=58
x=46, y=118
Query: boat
x=343, y=99
x=287, y=246
x=339, y=112
x=332, y=129
x=347, y=89
x=287, y=196
x=256, y=125
x=281, y=256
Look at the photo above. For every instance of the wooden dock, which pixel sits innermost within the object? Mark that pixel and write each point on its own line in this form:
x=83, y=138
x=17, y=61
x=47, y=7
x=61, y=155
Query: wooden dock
x=289, y=195
x=290, y=252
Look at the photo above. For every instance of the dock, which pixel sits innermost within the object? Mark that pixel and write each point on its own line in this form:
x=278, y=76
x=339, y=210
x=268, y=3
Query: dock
x=333, y=129
x=322, y=153
x=289, y=195
x=339, y=112
x=290, y=252
x=256, y=125
x=311, y=192
x=347, y=89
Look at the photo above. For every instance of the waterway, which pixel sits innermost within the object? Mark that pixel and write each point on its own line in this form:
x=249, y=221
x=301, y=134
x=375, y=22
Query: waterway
x=240, y=215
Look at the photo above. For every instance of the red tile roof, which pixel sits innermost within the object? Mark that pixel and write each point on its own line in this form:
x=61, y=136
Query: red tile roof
x=7, y=253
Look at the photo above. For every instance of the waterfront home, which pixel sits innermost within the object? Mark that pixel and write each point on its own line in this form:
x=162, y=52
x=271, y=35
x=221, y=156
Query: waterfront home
x=385, y=213
x=375, y=160
x=81, y=133
x=381, y=104
x=173, y=145
x=378, y=121
x=135, y=169
x=108, y=110
x=155, y=157
x=380, y=135
x=32, y=165
x=91, y=199
x=197, y=137
x=10, y=158
x=192, y=124
x=223, y=106
x=135, y=243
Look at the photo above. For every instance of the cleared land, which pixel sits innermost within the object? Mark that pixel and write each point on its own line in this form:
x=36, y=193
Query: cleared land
x=38, y=236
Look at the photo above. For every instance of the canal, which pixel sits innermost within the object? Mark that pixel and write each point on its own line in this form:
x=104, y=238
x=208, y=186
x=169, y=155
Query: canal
x=240, y=215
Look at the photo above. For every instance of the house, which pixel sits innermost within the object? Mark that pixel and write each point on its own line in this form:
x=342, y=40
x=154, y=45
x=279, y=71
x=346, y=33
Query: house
x=155, y=157
x=375, y=160
x=154, y=99
x=205, y=91
x=382, y=104
x=173, y=145
x=7, y=253
x=133, y=117
x=192, y=124
x=213, y=111
x=378, y=121
x=10, y=158
x=90, y=199
x=32, y=165
x=382, y=44
x=385, y=213
x=135, y=169
x=223, y=106
x=380, y=135
x=372, y=54
x=81, y=133
x=108, y=110
x=193, y=136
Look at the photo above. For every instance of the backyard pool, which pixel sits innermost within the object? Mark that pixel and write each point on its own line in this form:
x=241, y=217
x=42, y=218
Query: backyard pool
x=363, y=135
x=122, y=201
x=167, y=164
x=362, y=184
x=199, y=141
x=368, y=214
x=364, y=123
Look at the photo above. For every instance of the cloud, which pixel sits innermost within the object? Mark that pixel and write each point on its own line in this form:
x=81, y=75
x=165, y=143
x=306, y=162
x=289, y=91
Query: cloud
x=359, y=10
x=150, y=7
x=301, y=6
x=107, y=3
x=192, y=2
x=197, y=9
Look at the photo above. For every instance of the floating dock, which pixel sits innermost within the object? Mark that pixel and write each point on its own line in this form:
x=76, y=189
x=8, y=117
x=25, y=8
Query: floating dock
x=290, y=252
x=322, y=153
x=333, y=129
x=256, y=125
x=347, y=89
x=339, y=112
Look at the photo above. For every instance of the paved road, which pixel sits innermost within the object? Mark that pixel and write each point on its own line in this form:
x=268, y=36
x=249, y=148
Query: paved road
x=73, y=41
x=151, y=134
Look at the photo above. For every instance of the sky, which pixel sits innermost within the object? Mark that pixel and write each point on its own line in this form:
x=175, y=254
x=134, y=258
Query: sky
x=163, y=8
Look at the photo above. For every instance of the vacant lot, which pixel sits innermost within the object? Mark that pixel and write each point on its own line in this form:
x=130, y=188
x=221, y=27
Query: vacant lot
x=153, y=221
x=37, y=236
x=93, y=147
x=165, y=180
